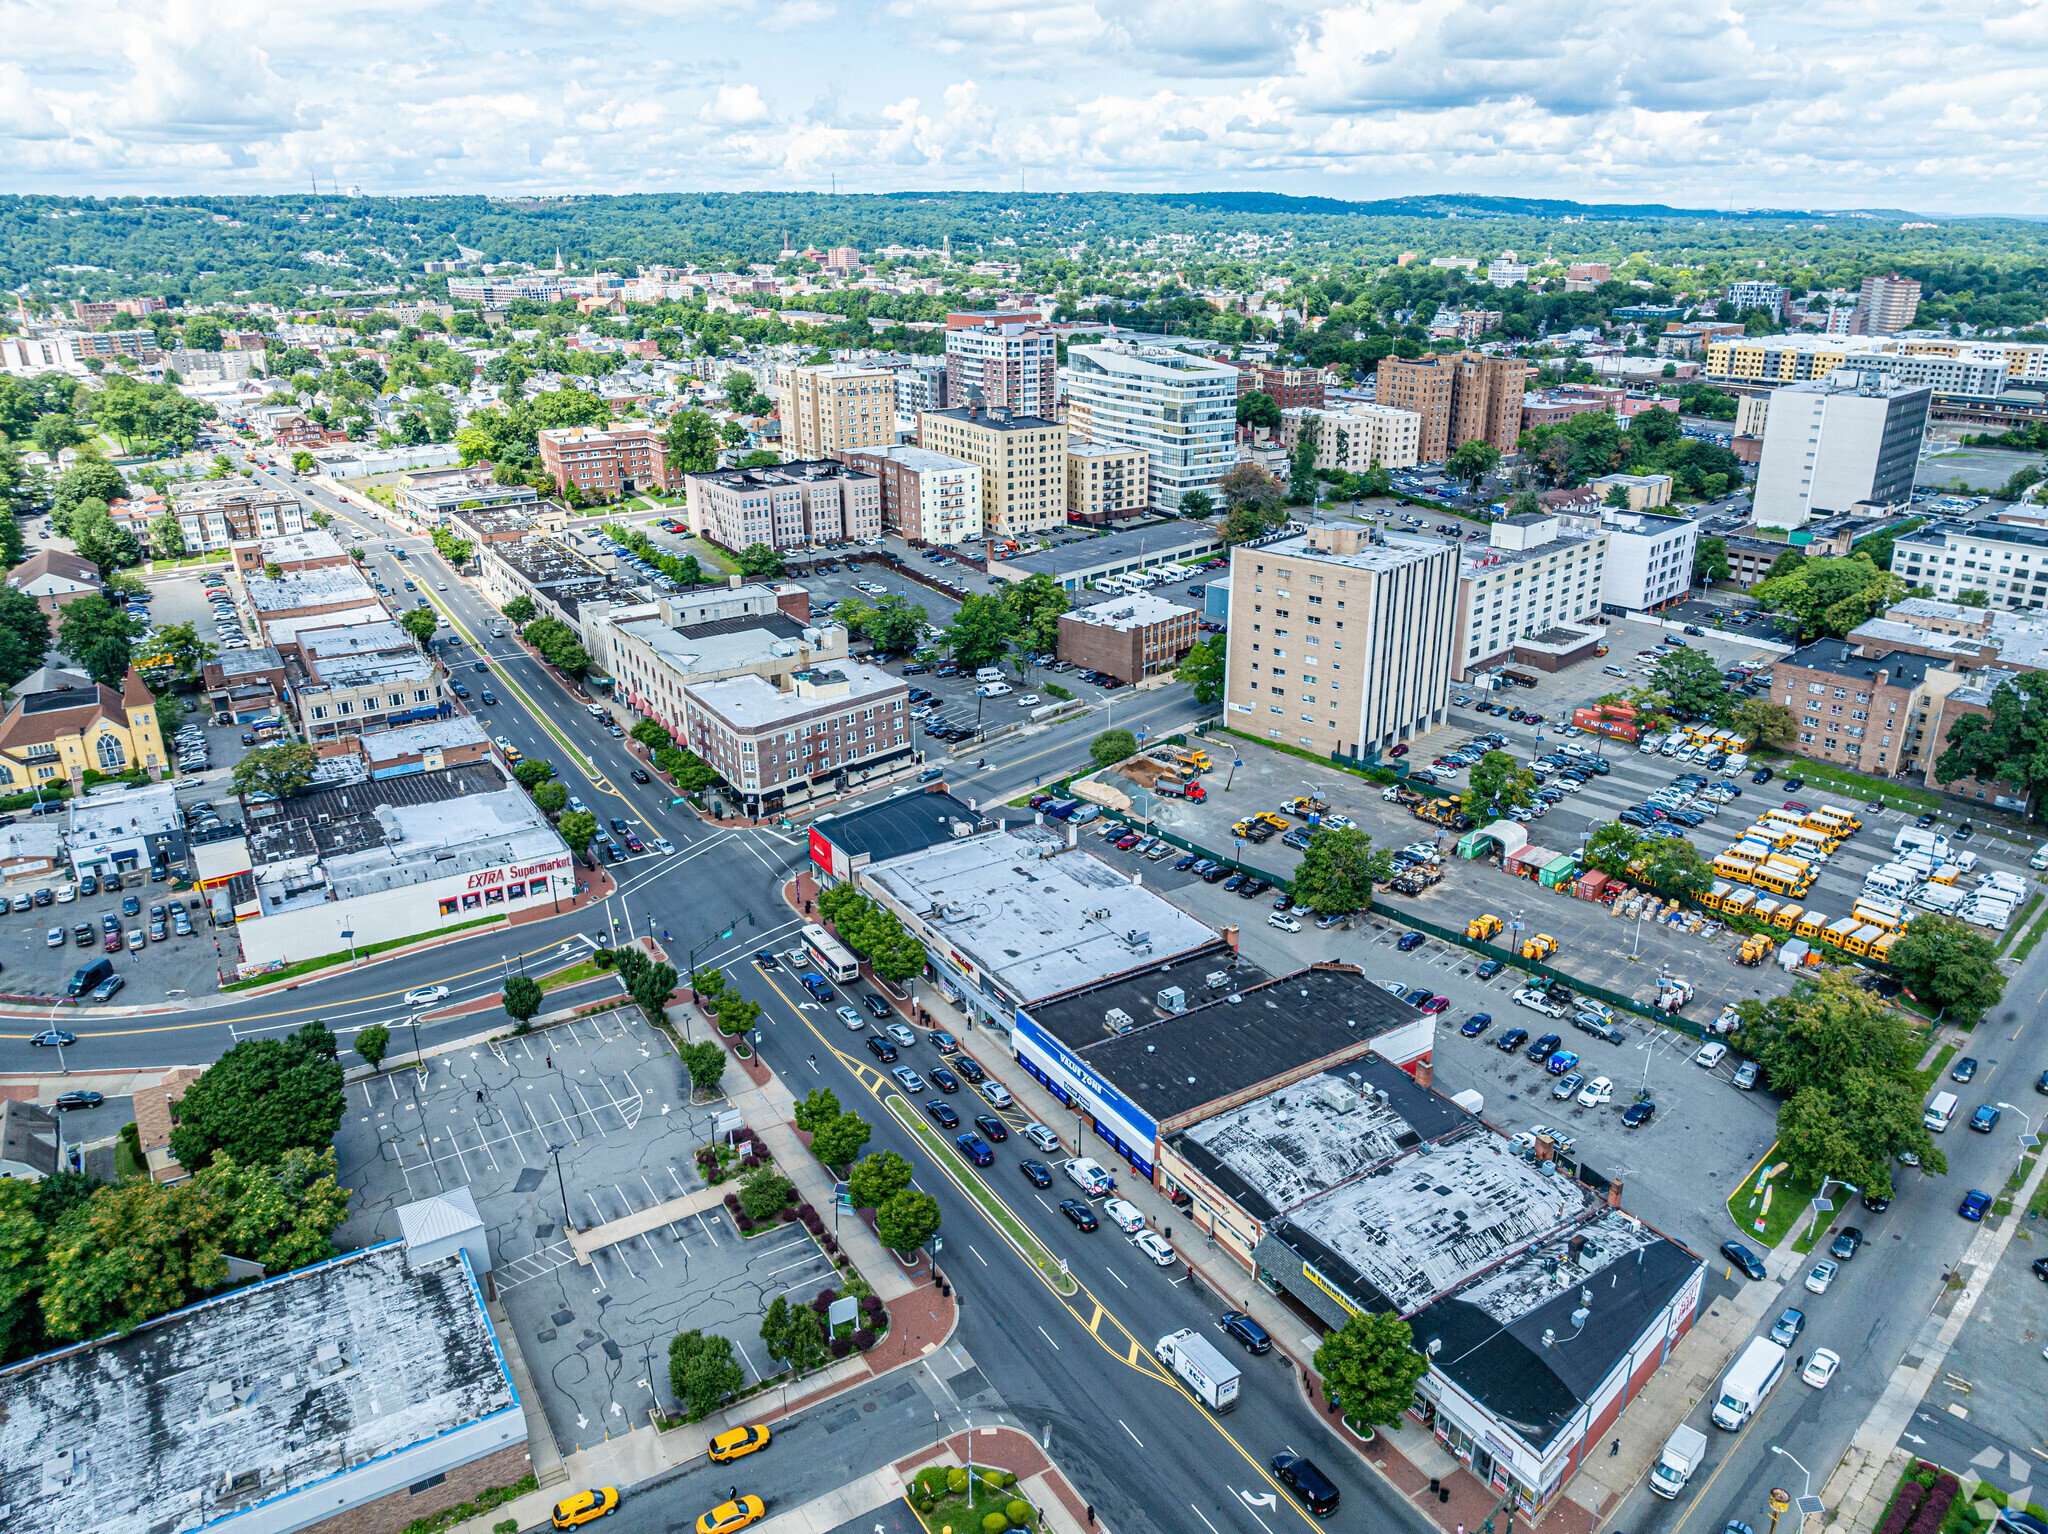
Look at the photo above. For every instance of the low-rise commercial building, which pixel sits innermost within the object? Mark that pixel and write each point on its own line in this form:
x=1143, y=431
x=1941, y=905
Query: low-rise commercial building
x=361, y=1393
x=1354, y=438
x=1077, y=566
x=1106, y=483
x=603, y=462
x=315, y=549
x=301, y=594
x=655, y=657
x=120, y=830
x=433, y=495
x=560, y=582
x=1649, y=560
x=1022, y=460
x=456, y=741
x=789, y=506
x=1644, y=491
x=247, y=685
x=1538, y=574
x=927, y=497
x=1341, y=640
x=1129, y=638
x=363, y=677
x=842, y=847
x=836, y=727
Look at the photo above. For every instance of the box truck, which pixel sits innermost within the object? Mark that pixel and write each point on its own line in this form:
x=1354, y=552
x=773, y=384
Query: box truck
x=1752, y=1377
x=1683, y=1451
x=1211, y=1376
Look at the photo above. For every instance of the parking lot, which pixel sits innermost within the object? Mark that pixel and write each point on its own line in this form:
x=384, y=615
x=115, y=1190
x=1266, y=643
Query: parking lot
x=608, y=1094
x=180, y=966
x=182, y=599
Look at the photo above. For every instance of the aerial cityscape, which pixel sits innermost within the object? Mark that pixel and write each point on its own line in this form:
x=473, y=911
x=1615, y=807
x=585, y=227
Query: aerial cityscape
x=729, y=865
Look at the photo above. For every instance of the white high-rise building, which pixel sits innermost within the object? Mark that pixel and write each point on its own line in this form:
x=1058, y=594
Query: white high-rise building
x=1837, y=442
x=1181, y=409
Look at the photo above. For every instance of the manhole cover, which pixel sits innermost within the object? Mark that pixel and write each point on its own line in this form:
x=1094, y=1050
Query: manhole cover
x=867, y=1406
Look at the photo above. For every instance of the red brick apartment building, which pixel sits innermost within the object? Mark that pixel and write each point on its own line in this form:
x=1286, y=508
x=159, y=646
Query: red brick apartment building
x=607, y=461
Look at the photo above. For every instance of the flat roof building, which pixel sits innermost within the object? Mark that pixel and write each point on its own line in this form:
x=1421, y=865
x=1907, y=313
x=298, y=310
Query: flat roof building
x=1129, y=638
x=833, y=407
x=2007, y=561
x=927, y=497
x=836, y=726
x=1106, y=482
x=1023, y=465
x=1353, y=438
x=654, y=658
x=1181, y=409
x=842, y=846
x=804, y=501
x=1075, y=566
x=1849, y=440
x=1538, y=572
x=1006, y=360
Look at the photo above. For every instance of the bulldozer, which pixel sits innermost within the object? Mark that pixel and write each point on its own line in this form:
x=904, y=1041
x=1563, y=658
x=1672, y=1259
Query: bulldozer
x=1480, y=928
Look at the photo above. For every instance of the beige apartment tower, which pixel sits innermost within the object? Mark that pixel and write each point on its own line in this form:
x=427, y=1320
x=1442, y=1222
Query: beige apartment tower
x=1023, y=461
x=836, y=406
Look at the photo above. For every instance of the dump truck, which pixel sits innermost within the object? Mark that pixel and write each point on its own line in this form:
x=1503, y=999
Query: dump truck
x=1395, y=794
x=1306, y=806
x=1480, y=928
x=1211, y=1376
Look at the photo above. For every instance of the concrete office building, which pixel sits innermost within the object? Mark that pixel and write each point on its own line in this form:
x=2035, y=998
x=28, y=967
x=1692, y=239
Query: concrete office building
x=1130, y=638
x=1023, y=463
x=1644, y=491
x=1106, y=483
x=2006, y=561
x=1181, y=409
x=1461, y=397
x=1353, y=438
x=1007, y=361
x=788, y=506
x=1649, y=560
x=927, y=497
x=1342, y=643
x=835, y=406
x=1851, y=439
x=836, y=727
x=1539, y=579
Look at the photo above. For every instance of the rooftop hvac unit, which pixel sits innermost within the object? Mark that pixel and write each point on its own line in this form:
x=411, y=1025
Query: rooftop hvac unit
x=1216, y=979
x=1138, y=940
x=1117, y=1020
x=1335, y=1096
x=1173, y=999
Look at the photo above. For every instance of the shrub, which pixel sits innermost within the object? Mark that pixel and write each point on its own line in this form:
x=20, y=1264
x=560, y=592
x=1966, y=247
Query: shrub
x=870, y=1306
x=956, y=1479
x=824, y=1300
x=1007, y=1478
x=863, y=1339
x=994, y=1523
x=1019, y=1512
x=1934, y=1511
x=841, y=1346
x=1911, y=1494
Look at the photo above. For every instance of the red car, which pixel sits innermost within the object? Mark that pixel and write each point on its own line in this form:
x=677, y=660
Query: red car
x=1436, y=1004
x=114, y=942
x=1109, y=684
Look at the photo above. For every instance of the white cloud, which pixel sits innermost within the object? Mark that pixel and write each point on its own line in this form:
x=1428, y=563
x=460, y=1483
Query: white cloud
x=1830, y=103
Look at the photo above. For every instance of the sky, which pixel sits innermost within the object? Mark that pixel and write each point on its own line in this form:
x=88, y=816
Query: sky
x=1918, y=104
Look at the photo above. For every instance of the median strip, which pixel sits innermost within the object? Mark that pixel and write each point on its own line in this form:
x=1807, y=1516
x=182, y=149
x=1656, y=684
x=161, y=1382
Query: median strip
x=584, y=765
x=955, y=1166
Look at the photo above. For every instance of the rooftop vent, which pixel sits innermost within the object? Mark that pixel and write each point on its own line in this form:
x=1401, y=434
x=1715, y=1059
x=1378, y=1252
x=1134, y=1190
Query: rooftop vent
x=328, y=1359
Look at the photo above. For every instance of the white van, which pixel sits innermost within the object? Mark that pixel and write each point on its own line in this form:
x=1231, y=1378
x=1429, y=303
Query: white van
x=989, y=674
x=1940, y=1111
x=993, y=690
x=1087, y=1174
x=1743, y=1388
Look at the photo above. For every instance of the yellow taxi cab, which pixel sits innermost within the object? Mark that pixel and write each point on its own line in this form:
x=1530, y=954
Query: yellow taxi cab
x=736, y=1442
x=730, y=1516
x=585, y=1507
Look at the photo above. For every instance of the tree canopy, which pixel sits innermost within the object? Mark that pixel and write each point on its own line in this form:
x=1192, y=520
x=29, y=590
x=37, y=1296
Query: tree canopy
x=1338, y=870
x=261, y=1099
x=1205, y=670
x=279, y=771
x=2007, y=744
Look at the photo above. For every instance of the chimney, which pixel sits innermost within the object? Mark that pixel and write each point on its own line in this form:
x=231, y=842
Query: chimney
x=1230, y=937
x=1423, y=1073
x=1614, y=1194
x=1546, y=1148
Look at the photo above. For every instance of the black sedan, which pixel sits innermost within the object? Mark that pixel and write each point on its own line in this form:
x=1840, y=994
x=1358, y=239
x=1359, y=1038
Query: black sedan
x=1512, y=1040
x=55, y=1036
x=967, y=1066
x=991, y=1126
x=640, y=775
x=881, y=1048
x=71, y=1100
x=1078, y=1212
x=1846, y=1243
x=1743, y=1258
x=1636, y=1115
x=1039, y=1173
x=942, y=1112
x=943, y=1079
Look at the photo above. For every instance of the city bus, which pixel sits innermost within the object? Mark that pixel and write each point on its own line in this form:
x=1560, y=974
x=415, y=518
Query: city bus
x=834, y=962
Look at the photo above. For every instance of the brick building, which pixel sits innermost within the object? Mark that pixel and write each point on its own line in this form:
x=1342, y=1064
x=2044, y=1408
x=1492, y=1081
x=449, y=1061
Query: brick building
x=1131, y=638
x=785, y=507
x=1009, y=358
x=835, y=728
x=1023, y=461
x=1461, y=397
x=1293, y=388
x=1872, y=713
x=603, y=462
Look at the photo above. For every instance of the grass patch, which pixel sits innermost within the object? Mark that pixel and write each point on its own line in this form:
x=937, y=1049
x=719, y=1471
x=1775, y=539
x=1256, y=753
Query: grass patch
x=2039, y=1207
x=2020, y=921
x=2026, y=945
x=327, y=961
x=949, y=1159
x=939, y=1494
x=1829, y=776
x=1789, y=1198
x=186, y=562
x=575, y=973
x=126, y=1163
x=1933, y=1072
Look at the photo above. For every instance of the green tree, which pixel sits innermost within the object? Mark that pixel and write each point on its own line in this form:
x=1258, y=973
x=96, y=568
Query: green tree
x=705, y=1061
x=803, y=1341
x=282, y=1214
x=702, y=1371
x=981, y=632
x=1472, y=461
x=1617, y=495
x=520, y=610
x=1692, y=684
x=372, y=1043
x=1765, y=723
x=577, y=828
x=167, y=537
x=534, y=771
x=1498, y=784
x=651, y=734
x=98, y=636
x=1197, y=505
x=54, y=433
x=134, y=1251
x=302, y=462
x=1973, y=598
x=187, y=651
x=819, y=1107
x=691, y=442
x=1037, y=601
x=551, y=798
x=1710, y=560
x=1948, y=964
x=418, y=622
x=876, y=1178
x=775, y=1328
x=2008, y=744
x=1674, y=866
x=1302, y=480
x=261, y=1099
x=764, y=1191
x=1258, y=409
x=1611, y=848
x=739, y=390
x=523, y=998
x=92, y=478
x=760, y=458
x=203, y=333
x=1247, y=487
x=1112, y=746
x=24, y=635
x=1338, y=871
x=1205, y=671
x=279, y=771
x=1525, y=504
x=1370, y=1366
x=894, y=625
x=838, y=1141
x=757, y=561
x=907, y=1220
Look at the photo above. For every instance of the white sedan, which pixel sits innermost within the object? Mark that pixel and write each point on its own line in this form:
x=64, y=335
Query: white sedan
x=1029, y=700
x=1822, y=1275
x=1124, y=1215
x=1155, y=1246
x=426, y=995
x=663, y=845
x=1821, y=1368
x=1597, y=1094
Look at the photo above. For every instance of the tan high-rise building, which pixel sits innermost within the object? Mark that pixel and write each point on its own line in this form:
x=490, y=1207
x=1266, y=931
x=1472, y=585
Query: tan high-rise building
x=1023, y=461
x=1886, y=305
x=835, y=406
x=1461, y=398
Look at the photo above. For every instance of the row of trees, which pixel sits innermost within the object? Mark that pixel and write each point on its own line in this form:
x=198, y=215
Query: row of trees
x=557, y=644
x=1021, y=619
x=871, y=930
x=689, y=771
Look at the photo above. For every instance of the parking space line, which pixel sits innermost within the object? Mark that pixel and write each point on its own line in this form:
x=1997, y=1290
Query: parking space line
x=484, y=1143
x=586, y=1108
x=706, y=1227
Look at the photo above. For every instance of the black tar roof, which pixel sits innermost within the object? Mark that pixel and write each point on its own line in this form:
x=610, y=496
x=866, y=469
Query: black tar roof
x=780, y=624
x=1171, y=1064
x=896, y=827
x=1902, y=668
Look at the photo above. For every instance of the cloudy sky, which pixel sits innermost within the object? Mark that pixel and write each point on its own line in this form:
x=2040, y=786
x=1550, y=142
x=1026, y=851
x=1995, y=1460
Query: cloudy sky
x=1923, y=104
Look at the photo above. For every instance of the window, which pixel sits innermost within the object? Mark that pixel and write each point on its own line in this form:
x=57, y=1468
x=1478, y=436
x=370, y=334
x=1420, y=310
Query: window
x=111, y=754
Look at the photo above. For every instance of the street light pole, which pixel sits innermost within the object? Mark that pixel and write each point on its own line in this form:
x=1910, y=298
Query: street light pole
x=567, y=1223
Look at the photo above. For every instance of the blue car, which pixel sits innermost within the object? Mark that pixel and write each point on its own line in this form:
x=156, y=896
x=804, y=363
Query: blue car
x=975, y=1149
x=1974, y=1205
x=1409, y=940
x=1477, y=1024
x=1984, y=1120
x=1560, y=1062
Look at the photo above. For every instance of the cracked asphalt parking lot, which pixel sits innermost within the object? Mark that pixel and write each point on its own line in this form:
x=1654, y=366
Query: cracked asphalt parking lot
x=611, y=1094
